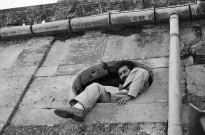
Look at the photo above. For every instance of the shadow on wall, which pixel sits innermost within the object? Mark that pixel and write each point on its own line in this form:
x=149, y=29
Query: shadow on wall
x=105, y=74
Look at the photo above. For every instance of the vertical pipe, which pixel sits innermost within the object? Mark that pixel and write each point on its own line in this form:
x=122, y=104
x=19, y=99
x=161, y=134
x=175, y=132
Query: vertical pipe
x=175, y=99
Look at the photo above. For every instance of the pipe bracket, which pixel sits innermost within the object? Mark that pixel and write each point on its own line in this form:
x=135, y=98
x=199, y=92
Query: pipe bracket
x=174, y=34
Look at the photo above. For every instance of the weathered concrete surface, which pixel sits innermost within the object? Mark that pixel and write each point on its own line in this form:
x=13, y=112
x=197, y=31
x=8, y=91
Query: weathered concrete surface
x=73, y=128
x=148, y=43
x=33, y=52
x=9, y=55
x=80, y=50
x=19, y=60
x=158, y=91
x=203, y=32
x=73, y=69
x=162, y=62
x=56, y=92
x=11, y=90
x=190, y=33
x=47, y=71
x=19, y=71
x=130, y=113
x=44, y=92
x=195, y=80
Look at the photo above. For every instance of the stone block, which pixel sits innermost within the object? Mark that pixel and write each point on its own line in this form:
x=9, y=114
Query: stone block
x=195, y=80
x=1, y=127
x=9, y=55
x=43, y=94
x=4, y=115
x=33, y=52
x=11, y=90
x=162, y=62
x=130, y=113
x=188, y=62
x=18, y=71
x=74, y=128
x=47, y=71
x=158, y=91
x=72, y=69
x=80, y=50
x=149, y=43
x=189, y=34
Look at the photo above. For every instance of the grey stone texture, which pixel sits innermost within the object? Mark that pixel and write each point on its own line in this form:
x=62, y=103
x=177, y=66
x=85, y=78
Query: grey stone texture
x=44, y=93
x=71, y=8
x=195, y=80
x=130, y=113
x=19, y=60
x=73, y=69
x=190, y=34
x=148, y=43
x=33, y=52
x=19, y=71
x=47, y=71
x=85, y=49
x=9, y=55
x=11, y=90
x=73, y=128
x=47, y=93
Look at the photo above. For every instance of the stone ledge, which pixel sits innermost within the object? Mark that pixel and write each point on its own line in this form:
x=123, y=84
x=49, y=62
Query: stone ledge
x=74, y=128
x=130, y=113
x=18, y=72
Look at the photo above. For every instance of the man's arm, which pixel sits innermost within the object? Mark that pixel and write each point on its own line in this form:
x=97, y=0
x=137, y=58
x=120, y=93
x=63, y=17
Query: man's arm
x=124, y=100
x=137, y=84
x=140, y=78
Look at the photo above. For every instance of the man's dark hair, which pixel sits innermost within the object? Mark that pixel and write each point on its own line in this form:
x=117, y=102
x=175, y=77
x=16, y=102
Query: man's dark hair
x=129, y=64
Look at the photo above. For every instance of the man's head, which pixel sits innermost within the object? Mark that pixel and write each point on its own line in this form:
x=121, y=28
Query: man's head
x=124, y=70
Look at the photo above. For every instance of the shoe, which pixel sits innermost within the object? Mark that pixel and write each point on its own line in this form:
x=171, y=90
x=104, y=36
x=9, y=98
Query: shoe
x=74, y=113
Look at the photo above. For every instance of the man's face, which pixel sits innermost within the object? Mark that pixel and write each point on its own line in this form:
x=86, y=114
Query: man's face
x=123, y=73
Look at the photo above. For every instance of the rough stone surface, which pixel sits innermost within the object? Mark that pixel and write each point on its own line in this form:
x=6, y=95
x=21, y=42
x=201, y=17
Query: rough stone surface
x=1, y=127
x=188, y=62
x=33, y=52
x=9, y=55
x=158, y=91
x=195, y=81
x=44, y=93
x=73, y=69
x=11, y=90
x=64, y=10
x=73, y=128
x=18, y=71
x=69, y=9
x=56, y=91
x=163, y=3
x=111, y=113
x=190, y=34
x=85, y=49
x=162, y=62
x=47, y=71
x=147, y=43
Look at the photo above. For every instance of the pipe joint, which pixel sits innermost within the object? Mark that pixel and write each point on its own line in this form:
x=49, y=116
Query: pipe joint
x=174, y=34
x=174, y=15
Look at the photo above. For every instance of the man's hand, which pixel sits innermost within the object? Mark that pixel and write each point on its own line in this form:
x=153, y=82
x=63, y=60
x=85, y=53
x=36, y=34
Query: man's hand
x=124, y=100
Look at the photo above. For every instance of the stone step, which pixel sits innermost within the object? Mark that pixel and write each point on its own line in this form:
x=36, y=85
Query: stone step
x=73, y=128
x=130, y=113
x=103, y=119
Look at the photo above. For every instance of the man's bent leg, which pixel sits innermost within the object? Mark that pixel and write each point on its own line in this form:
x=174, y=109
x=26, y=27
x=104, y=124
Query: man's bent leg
x=87, y=98
x=91, y=94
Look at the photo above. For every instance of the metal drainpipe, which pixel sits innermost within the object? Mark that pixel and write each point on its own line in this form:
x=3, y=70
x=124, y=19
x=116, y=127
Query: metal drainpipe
x=175, y=99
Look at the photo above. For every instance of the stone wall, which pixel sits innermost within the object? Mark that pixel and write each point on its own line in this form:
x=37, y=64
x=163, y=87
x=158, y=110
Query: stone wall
x=36, y=76
x=74, y=8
